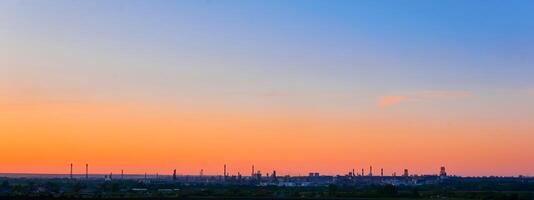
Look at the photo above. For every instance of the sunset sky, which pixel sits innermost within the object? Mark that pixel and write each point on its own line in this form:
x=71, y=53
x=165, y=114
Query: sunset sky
x=296, y=86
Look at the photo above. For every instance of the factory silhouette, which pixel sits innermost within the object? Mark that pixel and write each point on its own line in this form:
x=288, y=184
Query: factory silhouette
x=361, y=183
x=257, y=177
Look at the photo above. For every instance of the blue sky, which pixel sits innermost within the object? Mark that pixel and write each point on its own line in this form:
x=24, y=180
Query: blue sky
x=455, y=44
x=242, y=50
x=366, y=49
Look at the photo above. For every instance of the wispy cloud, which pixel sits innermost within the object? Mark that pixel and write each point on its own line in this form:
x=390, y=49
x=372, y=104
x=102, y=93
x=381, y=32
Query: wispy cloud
x=390, y=100
x=385, y=101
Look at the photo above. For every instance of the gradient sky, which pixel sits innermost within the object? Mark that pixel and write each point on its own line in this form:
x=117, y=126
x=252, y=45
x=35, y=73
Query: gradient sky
x=296, y=86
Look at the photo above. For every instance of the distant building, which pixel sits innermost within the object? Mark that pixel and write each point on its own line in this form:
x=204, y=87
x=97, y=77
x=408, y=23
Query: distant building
x=314, y=174
x=442, y=171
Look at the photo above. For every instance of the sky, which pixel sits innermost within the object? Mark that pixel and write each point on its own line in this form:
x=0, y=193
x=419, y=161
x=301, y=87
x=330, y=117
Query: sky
x=293, y=86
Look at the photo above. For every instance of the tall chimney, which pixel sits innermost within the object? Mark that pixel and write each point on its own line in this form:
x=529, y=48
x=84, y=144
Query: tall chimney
x=71, y=171
x=86, y=171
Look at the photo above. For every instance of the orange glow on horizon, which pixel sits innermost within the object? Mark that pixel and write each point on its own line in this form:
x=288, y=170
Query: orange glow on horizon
x=138, y=138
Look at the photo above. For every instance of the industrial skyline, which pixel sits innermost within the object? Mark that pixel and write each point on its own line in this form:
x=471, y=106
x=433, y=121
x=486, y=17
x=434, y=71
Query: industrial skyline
x=225, y=173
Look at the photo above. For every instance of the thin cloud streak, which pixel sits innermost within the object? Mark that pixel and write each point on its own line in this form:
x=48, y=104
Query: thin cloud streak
x=386, y=101
x=391, y=100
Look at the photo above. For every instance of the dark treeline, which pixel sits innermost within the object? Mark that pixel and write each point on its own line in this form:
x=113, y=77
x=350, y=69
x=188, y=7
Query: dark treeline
x=483, y=189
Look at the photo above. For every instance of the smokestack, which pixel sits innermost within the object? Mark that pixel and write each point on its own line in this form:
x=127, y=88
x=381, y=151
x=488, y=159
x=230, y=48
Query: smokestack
x=252, y=171
x=174, y=175
x=86, y=171
x=225, y=170
x=71, y=171
x=122, y=173
x=381, y=171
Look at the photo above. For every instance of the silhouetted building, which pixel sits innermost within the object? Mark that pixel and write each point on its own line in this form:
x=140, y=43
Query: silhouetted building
x=225, y=171
x=314, y=174
x=71, y=171
x=442, y=171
